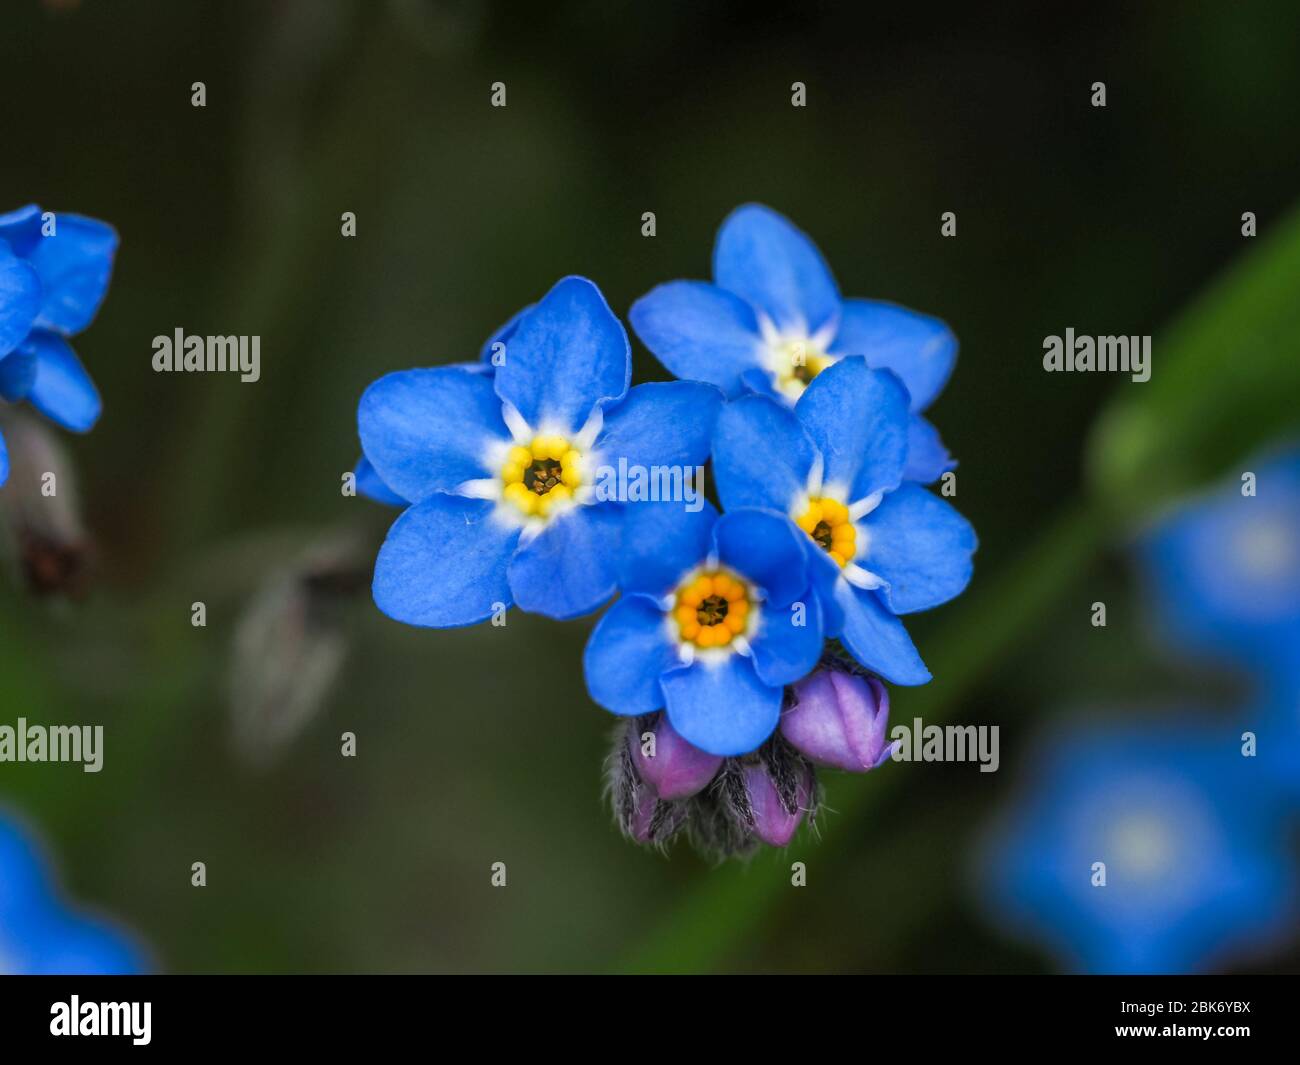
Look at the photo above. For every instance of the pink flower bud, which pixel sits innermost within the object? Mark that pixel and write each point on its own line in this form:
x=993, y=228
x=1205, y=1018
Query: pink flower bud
x=676, y=770
x=774, y=823
x=839, y=719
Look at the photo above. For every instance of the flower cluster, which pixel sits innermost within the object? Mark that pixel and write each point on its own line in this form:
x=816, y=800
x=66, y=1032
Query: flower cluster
x=746, y=643
x=1163, y=846
x=54, y=273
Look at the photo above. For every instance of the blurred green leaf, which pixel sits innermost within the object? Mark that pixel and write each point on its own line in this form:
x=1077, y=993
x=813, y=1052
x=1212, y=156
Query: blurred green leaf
x=1225, y=379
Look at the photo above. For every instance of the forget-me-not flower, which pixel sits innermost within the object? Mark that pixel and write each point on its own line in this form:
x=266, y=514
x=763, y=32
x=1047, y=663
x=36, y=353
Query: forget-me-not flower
x=54, y=273
x=499, y=466
x=716, y=618
x=1224, y=575
x=877, y=545
x=1195, y=868
x=773, y=319
x=39, y=933
x=1224, y=571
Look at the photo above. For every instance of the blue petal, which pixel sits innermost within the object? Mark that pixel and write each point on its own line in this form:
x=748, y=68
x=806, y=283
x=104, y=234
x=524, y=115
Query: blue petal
x=920, y=349
x=761, y=454
x=720, y=706
x=766, y=261
x=827, y=580
x=927, y=458
x=74, y=266
x=628, y=652
x=65, y=943
x=761, y=383
x=767, y=548
x=570, y=567
x=25, y=881
x=488, y=353
x=21, y=229
x=662, y=542
x=785, y=652
x=4, y=461
x=857, y=418
x=444, y=563
x=699, y=332
x=370, y=485
x=921, y=546
x=668, y=423
x=877, y=639
x=17, y=375
x=20, y=299
x=429, y=431
x=568, y=354
x=1223, y=570
x=62, y=391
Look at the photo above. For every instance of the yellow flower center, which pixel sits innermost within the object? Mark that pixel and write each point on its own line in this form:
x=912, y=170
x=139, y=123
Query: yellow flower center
x=827, y=522
x=712, y=609
x=796, y=363
x=545, y=473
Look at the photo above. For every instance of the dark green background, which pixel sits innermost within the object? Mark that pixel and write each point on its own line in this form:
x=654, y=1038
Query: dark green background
x=482, y=745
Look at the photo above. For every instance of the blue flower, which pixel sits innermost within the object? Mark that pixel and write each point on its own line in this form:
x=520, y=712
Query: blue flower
x=39, y=935
x=1224, y=571
x=715, y=619
x=502, y=469
x=773, y=319
x=877, y=546
x=1195, y=855
x=54, y=273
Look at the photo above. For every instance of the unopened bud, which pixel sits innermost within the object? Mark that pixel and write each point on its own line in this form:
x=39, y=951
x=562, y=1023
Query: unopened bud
x=839, y=719
x=776, y=817
x=41, y=513
x=668, y=765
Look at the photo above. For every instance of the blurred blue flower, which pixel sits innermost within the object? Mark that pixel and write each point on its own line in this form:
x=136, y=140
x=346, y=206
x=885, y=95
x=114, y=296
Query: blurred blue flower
x=715, y=619
x=773, y=319
x=1197, y=865
x=54, y=273
x=877, y=546
x=499, y=466
x=1224, y=571
x=39, y=934
x=1273, y=715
